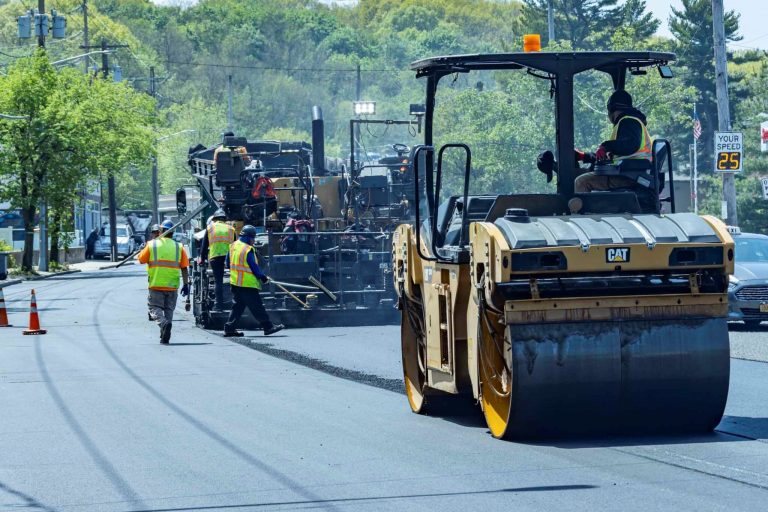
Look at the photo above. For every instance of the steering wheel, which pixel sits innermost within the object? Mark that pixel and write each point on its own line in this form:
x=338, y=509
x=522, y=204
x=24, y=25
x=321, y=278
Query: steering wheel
x=400, y=148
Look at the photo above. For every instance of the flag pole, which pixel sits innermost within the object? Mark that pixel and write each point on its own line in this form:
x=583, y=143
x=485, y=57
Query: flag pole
x=695, y=170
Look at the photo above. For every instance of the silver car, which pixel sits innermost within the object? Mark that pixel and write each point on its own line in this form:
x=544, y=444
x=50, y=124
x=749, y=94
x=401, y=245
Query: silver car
x=748, y=287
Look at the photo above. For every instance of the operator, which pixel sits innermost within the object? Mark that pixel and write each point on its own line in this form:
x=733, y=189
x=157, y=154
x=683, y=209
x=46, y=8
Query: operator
x=165, y=259
x=240, y=149
x=218, y=237
x=630, y=141
x=245, y=279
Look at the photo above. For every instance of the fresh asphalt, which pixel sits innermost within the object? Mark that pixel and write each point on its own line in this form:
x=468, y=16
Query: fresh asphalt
x=98, y=416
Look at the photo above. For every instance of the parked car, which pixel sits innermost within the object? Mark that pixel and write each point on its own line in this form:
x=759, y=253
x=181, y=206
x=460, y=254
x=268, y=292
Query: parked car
x=126, y=242
x=748, y=287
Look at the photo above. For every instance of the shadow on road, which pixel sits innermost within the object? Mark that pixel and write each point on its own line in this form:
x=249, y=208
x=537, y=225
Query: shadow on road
x=187, y=344
x=632, y=440
x=739, y=327
x=340, y=501
x=120, y=484
x=751, y=428
x=282, y=478
x=30, y=503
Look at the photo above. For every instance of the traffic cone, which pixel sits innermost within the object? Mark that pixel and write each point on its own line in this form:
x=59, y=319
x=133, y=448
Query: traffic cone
x=34, y=320
x=3, y=313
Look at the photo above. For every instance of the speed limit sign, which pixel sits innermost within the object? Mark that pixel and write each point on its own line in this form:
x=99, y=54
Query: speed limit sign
x=729, y=151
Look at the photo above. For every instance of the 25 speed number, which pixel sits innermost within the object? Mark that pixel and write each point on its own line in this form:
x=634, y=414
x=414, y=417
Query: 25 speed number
x=728, y=161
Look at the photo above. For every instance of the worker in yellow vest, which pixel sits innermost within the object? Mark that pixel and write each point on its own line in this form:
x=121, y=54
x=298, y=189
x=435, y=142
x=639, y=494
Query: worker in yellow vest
x=245, y=280
x=218, y=237
x=166, y=259
x=630, y=141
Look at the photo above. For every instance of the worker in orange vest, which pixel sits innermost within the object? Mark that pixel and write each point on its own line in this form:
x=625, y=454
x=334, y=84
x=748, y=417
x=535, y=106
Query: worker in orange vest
x=166, y=259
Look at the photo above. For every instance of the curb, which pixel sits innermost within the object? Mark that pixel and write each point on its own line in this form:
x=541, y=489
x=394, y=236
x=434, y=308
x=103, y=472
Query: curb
x=11, y=282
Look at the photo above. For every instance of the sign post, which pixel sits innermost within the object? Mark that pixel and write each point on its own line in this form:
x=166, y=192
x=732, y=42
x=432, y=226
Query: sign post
x=729, y=151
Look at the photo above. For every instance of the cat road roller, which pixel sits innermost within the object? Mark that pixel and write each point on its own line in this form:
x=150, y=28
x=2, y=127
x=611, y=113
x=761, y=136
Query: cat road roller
x=562, y=313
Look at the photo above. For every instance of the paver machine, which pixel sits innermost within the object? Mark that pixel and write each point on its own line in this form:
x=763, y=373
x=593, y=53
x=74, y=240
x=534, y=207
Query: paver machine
x=325, y=249
x=562, y=313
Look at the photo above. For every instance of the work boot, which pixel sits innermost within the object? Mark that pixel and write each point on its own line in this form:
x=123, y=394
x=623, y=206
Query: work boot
x=273, y=329
x=233, y=334
x=165, y=334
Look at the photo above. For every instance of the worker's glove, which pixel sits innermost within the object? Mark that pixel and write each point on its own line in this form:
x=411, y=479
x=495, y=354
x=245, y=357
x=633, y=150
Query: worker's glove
x=601, y=155
x=185, y=290
x=264, y=279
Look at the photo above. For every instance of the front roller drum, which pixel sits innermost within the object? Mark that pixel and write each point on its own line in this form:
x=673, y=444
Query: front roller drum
x=651, y=376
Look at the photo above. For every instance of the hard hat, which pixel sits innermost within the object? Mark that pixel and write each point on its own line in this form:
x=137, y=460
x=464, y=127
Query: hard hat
x=249, y=231
x=219, y=214
x=167, y=224
x=155, y=228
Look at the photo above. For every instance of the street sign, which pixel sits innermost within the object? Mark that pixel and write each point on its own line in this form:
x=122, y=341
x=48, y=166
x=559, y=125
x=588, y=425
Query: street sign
x=729, y=150
x=764, y=181
x=764, y=136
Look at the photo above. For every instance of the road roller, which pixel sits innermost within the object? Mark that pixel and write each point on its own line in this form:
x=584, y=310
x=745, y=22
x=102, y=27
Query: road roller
x=562, y=313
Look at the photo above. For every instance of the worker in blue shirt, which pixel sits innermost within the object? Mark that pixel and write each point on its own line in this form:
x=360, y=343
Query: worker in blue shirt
x=245, y=280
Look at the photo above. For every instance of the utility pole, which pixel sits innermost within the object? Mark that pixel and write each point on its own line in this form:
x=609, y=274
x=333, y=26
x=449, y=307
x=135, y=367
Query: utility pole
x=86, y=43
x=723, y=110
x=41, y=10
x=551, y=21
x=155, y=199
x=230, y=114
x=111, y=179
x=43, y=242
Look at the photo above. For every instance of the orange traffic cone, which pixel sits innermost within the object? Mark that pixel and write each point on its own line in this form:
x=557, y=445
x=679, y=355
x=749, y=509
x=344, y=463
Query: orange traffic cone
x=34, y=320
x=3, y=313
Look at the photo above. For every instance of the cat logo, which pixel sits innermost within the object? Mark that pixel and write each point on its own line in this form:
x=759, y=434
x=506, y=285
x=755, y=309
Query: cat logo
x=617, y=255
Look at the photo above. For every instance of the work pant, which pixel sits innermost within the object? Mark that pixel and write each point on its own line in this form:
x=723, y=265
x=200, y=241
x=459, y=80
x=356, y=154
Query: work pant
x=590, y=181
x=217, y=266
x=161, y=305
x=246, y=298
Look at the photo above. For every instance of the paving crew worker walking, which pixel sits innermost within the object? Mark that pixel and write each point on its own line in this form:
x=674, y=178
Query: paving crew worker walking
x=165, y=259
x=630, y=141
x=154, y=232
x=218, y=237
x=245, y=280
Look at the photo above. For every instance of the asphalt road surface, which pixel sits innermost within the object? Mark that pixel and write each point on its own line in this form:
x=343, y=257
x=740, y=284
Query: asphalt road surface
x=98, y=416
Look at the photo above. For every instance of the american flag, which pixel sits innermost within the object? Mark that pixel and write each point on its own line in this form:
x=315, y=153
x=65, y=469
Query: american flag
x=696, y=126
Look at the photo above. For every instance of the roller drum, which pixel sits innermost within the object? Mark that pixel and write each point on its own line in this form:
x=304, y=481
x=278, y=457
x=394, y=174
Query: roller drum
x=662, y=376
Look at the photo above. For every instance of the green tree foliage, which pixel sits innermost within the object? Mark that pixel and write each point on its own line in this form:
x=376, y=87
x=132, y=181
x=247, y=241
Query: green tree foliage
x=589, y=24
x=692, y=27
x=75, y=129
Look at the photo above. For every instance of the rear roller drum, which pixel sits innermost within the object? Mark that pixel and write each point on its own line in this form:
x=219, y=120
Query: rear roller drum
x=495, y=374
x=414, y=355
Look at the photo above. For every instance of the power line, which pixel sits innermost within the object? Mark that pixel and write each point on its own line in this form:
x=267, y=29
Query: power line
x=277, y=68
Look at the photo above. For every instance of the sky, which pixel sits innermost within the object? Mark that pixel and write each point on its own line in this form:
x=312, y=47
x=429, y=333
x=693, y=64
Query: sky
x=752, y=24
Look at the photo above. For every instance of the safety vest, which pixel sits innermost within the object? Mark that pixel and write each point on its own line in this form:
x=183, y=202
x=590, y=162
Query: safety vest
x=164, y=263
x=239, y=272
x=644, y=152
x=220, y=237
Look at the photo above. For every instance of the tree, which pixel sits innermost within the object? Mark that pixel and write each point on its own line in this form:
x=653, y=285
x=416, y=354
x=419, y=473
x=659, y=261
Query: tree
x=692, y=27
x=589, y=24
x=73, y=132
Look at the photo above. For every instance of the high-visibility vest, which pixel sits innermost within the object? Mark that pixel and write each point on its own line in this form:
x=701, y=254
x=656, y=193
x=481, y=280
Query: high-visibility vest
x=164, y=263
x=220, y=237
x=644, y=152
x=239, y=272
